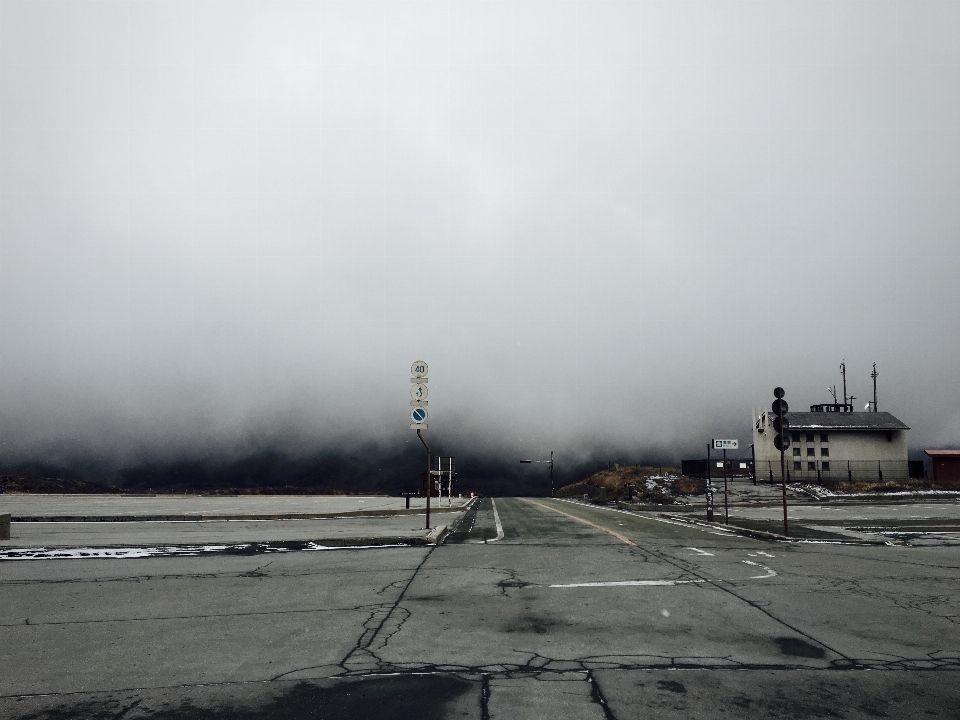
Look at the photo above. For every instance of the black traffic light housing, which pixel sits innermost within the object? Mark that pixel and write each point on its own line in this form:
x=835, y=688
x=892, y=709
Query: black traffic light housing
x=780, y=423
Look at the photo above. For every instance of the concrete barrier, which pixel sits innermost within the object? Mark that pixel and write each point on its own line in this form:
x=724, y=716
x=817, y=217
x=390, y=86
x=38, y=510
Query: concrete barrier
x=5, y=526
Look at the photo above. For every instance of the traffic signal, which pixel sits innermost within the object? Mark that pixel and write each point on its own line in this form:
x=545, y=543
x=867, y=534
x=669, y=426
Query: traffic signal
x=780, y=423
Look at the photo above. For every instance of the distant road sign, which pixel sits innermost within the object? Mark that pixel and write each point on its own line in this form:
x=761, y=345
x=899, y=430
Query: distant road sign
x=726, y=444
x=419, y=369
x=419, y=391
x=418, y=415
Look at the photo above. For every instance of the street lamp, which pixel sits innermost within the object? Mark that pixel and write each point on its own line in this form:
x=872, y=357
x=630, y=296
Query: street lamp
x=549, y=462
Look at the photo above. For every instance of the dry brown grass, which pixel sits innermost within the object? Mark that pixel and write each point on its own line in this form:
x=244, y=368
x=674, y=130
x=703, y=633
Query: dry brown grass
x=616, y=480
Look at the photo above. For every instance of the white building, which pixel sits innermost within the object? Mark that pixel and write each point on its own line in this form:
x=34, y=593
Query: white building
x=833, y=443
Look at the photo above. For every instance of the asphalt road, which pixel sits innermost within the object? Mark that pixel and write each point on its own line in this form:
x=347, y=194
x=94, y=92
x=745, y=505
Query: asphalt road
x=530, y=609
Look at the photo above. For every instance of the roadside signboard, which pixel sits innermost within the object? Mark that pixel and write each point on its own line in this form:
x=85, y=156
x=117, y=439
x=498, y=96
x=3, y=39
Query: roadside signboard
x=418, y=395
x=419, y=392
x=726, y=444
x=419, y=369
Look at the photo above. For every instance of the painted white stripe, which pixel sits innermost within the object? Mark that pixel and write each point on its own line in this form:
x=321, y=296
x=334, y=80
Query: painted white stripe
x=629, y=583
x=702, y=552
x=686, y=523
x=496, y=519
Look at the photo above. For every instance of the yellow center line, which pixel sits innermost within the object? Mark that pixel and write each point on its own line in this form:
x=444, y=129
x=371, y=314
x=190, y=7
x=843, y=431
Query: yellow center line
x=617, y=535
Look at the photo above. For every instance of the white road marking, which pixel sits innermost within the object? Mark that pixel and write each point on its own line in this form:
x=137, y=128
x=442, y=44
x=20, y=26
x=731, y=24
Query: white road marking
x=629, y=583
x=702, y=552
x=496, y=518
x=770, y=573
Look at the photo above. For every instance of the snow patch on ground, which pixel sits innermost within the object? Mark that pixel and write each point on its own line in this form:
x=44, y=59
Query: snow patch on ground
x=820, y=493
x=167, y=551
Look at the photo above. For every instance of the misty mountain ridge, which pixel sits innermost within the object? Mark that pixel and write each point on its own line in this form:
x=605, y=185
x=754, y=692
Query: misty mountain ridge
x=370, y=471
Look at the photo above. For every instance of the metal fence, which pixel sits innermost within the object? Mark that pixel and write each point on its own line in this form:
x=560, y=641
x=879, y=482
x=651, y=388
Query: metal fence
x=839, y=470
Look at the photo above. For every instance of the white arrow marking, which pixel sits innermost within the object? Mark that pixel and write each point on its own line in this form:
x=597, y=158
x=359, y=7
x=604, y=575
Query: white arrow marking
x=770, y=573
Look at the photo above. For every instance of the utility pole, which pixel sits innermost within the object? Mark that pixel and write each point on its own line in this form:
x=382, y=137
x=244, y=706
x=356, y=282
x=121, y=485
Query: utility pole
x=874, y=376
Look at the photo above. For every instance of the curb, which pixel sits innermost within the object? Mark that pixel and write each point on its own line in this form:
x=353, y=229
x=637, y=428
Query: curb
x=122, y=552
x=208, y=518
x=653, y=507
x=436, y=535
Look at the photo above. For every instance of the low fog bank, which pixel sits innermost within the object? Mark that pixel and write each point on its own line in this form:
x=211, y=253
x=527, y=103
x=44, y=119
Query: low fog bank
x=388, y=469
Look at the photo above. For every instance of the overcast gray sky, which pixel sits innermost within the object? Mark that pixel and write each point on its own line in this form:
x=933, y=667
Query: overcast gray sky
x=225, y=225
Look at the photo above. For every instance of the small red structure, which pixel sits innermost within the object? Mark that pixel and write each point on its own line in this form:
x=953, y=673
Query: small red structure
x=946, y=464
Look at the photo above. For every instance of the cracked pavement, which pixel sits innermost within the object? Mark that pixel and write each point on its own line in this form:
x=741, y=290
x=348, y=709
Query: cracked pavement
x=578, y=611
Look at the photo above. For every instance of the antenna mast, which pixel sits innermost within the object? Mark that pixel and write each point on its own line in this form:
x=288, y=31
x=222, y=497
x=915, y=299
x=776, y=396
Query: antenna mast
x=874, y=376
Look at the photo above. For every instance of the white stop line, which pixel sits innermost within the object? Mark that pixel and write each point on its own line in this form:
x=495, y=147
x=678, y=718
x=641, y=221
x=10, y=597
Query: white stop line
x=665, y=583
x=629, y=583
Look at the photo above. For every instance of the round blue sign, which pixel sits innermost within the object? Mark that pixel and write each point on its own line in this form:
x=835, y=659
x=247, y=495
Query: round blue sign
x=418, y=414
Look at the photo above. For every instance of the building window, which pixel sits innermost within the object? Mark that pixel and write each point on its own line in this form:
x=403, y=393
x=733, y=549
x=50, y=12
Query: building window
x=824, y=452
x=796, y=452
x=796, y=437
x=811, y=452
x=825, y=466
x=809, y=437
x=824, y=437
x=797, y=466
x=812, y=466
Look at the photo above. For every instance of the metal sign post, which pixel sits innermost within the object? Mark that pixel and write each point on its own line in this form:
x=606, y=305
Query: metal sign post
x=418, y=393
x=726, y=493
x=709, y=484
x=725, y=445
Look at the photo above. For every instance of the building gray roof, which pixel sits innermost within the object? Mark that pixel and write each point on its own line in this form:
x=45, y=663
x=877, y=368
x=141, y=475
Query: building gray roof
x=844, y=421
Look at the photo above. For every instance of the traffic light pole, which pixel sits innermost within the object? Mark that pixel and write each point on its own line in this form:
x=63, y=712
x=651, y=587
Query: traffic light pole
x=551, y=475
x=783, y=482
x=781, y=442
